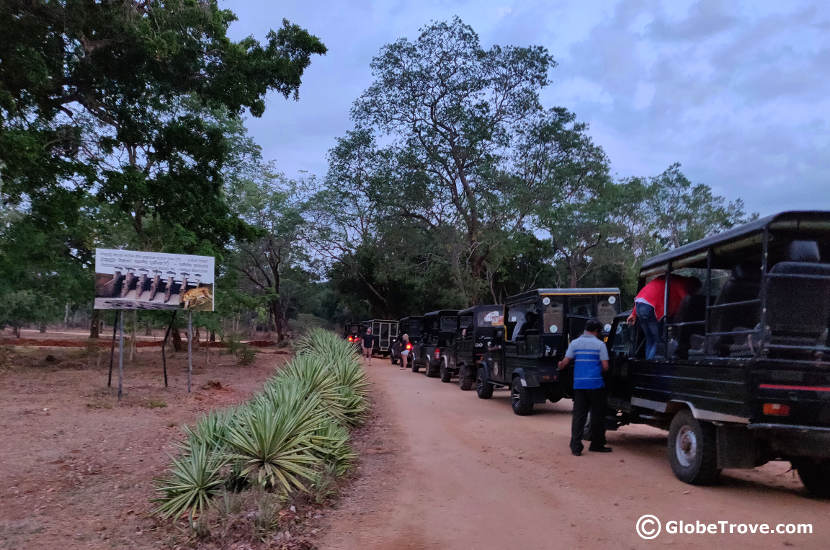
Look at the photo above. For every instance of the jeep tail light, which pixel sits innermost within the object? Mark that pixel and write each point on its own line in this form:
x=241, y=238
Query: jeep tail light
x=408, y=346
x=437, y=353
x=776, y=409
x=350, y=339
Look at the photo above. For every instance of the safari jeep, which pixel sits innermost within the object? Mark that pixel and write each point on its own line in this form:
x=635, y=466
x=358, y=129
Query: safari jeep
x=437, y=335
x=410, y=326
x=539, y=325
x=384, y=332
x=477, y=328
x=742, y=375
x=351, y=332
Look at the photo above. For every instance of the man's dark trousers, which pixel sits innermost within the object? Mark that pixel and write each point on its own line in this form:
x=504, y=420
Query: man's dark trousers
x=584, y=401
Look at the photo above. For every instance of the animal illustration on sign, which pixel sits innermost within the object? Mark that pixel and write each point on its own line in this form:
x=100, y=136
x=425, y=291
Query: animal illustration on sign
x=196, y=297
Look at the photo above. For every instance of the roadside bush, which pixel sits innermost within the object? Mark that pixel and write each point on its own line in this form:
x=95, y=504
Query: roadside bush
x=193, y=479
x=291, y=437
x=273, y=441
x=246, y=355
x=211, y=429
x=243, y=353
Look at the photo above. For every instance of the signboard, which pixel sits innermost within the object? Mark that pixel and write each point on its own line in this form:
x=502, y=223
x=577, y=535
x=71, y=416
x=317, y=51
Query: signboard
x=128, y=279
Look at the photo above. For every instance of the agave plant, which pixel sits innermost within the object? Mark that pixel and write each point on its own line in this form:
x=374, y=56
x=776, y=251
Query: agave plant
x=291, y=434
x=193, y=479
x=210, y=429
x=357, y=406
x=315, y=377
x=332, y=442
x=338, y=355
x=328, y=345
x=275, y=442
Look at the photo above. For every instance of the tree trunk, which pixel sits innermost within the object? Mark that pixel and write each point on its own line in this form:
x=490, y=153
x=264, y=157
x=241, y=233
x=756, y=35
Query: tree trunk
x=94, y=326
x=16, y=331
x=213, y=336
x=277, y=315
x=177, y=339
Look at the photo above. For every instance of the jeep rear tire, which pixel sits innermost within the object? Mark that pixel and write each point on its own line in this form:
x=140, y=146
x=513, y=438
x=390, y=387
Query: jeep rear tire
x=692, y=449
x=446, y=374
x=466, y=378
x=815, y=475
x=520, y=397
x=484, y=389
x=414, y=365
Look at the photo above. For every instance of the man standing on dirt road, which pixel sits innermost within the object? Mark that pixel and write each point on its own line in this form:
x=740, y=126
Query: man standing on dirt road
x=590, y=358
x=367, y=343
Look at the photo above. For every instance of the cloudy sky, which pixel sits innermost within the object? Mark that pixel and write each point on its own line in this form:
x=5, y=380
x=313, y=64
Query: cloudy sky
x=737, y=92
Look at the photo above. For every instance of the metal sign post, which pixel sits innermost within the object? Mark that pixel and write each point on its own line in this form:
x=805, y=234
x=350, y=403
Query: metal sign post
x=120, y=355
x=112, y=346
x=189, y=348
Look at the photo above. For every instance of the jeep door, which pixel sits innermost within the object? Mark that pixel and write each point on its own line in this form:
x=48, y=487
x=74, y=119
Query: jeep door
x=523, y=340
x=622, y=343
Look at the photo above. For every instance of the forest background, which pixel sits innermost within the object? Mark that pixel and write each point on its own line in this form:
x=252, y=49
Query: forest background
x=122, y=126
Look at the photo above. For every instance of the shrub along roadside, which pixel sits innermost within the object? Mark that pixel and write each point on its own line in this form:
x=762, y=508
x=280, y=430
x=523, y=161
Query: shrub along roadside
x=291, y=437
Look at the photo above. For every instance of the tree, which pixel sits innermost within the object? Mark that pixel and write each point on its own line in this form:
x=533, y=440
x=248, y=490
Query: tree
x=452, y=109
x=681, y=212
x=607, y=231
x=125, y=113
x=275, y=206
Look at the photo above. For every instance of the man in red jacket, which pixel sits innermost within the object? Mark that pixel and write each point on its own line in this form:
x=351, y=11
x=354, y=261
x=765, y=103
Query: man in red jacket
x=650, y=306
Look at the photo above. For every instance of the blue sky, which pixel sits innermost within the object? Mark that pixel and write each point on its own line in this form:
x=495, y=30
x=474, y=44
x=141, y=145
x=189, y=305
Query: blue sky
x=737, y=92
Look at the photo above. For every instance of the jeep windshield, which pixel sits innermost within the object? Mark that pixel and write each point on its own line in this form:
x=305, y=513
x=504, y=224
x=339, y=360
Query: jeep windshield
x=449, y=324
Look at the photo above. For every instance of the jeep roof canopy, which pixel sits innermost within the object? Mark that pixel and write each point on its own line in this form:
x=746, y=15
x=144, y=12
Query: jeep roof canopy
x=410, y=326
x=431, y=320
x=738, y=243
x=532, y=294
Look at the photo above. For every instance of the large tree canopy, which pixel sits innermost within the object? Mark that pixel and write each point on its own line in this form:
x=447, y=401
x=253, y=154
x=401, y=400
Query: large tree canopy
x=120, y=119
x=457, y=178
x=452, y=109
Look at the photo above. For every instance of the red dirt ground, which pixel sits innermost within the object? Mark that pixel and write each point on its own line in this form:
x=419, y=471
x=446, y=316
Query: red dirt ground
x=77, y=466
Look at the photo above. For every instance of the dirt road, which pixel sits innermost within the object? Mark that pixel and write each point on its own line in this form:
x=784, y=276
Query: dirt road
x=448, y=470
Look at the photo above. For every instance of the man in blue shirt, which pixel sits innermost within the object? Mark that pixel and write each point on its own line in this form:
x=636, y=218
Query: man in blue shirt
x=590, y=357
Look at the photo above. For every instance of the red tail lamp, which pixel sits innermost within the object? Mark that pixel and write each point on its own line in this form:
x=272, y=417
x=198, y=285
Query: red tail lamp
x=408, y=347
x=437, y=353
x=776, y=409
